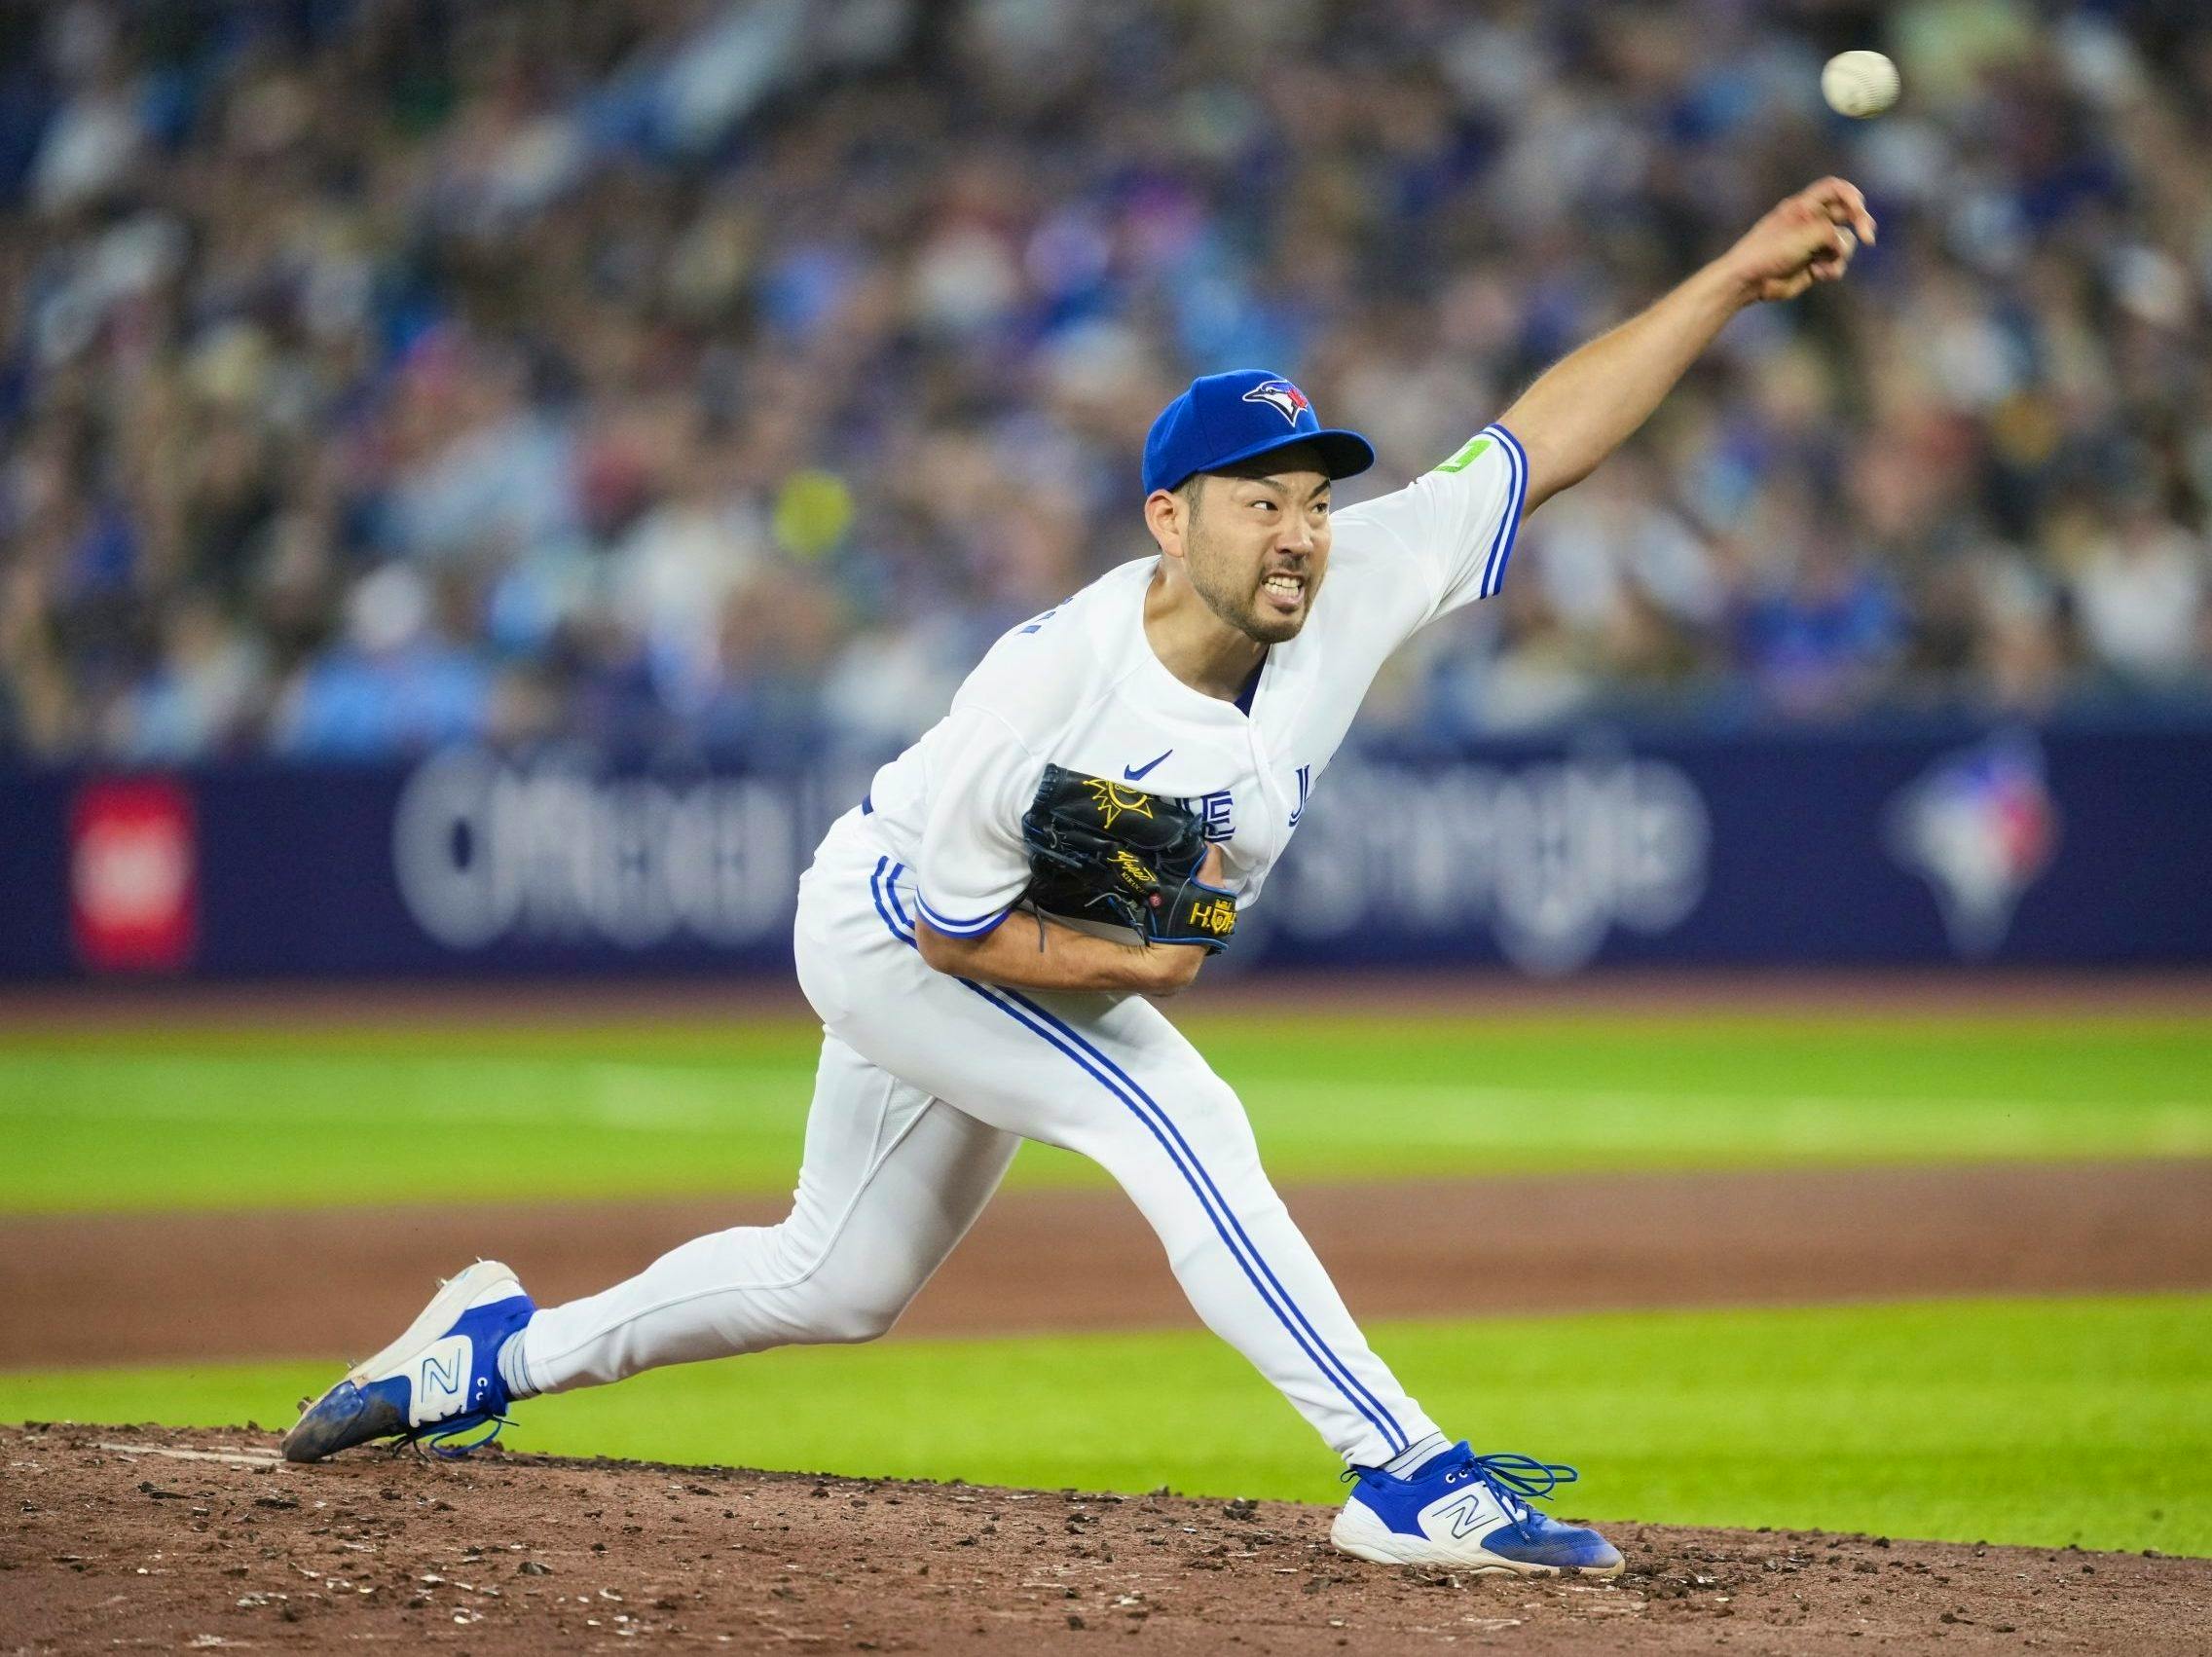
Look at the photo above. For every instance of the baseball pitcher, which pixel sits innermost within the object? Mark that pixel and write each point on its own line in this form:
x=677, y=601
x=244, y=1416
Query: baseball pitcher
x=984, y=932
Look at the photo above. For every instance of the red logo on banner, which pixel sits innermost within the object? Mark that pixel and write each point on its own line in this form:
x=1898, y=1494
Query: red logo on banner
x=132, y=883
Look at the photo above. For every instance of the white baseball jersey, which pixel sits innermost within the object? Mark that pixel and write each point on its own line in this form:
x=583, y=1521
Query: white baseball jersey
x=929, y=1082
x=1079, y=687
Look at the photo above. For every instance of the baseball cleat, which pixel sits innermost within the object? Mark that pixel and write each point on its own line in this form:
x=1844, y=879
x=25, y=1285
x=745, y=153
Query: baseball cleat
x=434, y=1383
x=1470, y=1512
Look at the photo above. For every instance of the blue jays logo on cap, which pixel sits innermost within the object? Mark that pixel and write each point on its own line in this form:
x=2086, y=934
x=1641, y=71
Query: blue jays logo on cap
x=1225, y=419
x=1281, y=396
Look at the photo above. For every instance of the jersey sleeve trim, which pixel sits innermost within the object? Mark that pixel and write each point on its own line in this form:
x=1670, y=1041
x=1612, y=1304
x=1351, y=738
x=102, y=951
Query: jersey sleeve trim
x=980, y=927
x=1509, y=523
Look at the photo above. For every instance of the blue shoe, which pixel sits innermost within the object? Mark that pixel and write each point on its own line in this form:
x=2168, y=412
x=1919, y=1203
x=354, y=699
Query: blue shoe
x=1469, y=1512
x=436, y=1382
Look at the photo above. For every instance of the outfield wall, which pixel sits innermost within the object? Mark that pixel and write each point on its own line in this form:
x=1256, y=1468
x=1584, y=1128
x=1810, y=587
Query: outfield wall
x=1951, y=845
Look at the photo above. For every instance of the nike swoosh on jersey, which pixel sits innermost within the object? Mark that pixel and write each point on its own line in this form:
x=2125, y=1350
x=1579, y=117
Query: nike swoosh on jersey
x=1131, y=773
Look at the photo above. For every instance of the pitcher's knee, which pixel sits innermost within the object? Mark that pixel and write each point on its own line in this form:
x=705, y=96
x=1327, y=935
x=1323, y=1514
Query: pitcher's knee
x=809, y=1293
x=838, y=1321
x=839, y=1304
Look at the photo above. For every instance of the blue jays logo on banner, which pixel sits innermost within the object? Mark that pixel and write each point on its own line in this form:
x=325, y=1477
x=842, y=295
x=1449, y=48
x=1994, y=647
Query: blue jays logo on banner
x=1281, y=396
x=1980, y=827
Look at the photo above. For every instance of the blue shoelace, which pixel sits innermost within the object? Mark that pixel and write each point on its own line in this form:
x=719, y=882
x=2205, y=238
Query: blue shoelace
x=1522, y=1476
x=437, y=1440
x=1516, y=1480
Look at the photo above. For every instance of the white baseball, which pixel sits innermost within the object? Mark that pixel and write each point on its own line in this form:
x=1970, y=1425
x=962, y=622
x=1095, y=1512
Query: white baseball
x=1859, y=84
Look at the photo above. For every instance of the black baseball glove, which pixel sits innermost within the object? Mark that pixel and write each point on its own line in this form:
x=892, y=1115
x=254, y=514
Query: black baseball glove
x=1099, y=851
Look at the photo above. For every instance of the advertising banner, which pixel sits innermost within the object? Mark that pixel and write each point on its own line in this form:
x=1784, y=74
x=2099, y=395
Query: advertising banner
x=1848, y=848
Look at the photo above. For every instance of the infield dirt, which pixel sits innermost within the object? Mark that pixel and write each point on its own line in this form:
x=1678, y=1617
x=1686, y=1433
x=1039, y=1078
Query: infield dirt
x=165, y=1287
x=131, y=1536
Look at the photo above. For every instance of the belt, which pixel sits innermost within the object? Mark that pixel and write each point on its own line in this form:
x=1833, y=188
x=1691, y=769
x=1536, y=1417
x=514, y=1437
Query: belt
x=868, y=804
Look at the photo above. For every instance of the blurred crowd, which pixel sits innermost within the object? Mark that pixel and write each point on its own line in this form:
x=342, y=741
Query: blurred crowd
x=690, y=376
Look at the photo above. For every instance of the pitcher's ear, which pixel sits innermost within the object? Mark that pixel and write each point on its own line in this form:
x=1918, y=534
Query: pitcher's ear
x=1167, y=515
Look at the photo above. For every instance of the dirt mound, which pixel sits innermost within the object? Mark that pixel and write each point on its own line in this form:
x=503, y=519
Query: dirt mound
x=143, y=1535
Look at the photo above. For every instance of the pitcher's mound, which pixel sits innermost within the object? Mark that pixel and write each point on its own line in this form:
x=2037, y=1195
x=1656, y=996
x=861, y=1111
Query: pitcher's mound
x=179, y=1540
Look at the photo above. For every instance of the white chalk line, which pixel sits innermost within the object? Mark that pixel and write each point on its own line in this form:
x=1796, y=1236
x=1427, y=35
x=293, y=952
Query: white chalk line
x=231, y=1457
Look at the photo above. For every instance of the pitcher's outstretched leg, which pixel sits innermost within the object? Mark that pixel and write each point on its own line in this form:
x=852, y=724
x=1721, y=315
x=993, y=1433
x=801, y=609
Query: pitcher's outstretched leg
x=891, y=1180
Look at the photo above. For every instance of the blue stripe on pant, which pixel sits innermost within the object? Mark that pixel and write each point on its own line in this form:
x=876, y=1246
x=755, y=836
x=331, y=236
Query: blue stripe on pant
x=1147, y=1110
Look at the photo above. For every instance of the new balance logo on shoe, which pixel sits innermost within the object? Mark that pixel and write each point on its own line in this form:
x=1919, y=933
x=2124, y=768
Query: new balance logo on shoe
x=1469, y=1514
x=442, y=1384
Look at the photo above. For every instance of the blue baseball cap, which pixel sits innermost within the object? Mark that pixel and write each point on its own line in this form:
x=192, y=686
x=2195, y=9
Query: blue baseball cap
x=1227, y=418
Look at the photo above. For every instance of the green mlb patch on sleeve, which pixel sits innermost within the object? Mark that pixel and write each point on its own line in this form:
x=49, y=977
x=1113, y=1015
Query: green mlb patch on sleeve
x=1465, y=458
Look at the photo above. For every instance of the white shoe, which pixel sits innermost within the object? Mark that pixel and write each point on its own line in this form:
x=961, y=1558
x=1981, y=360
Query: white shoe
x=438, y=1380
x=1469, y=1512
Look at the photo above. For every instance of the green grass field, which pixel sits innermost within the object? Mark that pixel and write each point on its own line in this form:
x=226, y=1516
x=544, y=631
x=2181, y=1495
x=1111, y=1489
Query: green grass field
x=2031, y=1420
x=221, y=1119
